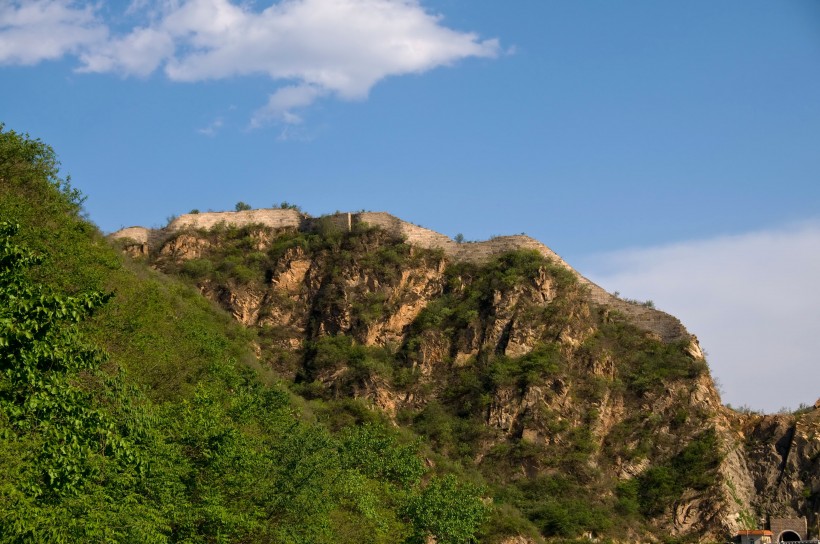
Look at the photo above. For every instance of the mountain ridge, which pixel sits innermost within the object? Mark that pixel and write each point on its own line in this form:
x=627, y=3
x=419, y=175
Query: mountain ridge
x=666, y=326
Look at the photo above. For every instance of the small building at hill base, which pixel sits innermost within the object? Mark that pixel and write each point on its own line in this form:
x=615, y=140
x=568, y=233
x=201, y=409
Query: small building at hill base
x=756, y=536
x=780, y=530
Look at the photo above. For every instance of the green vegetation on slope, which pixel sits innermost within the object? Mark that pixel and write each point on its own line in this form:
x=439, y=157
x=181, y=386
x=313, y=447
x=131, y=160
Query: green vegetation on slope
x=553, y=472
x=169, y=434
x=178, y=434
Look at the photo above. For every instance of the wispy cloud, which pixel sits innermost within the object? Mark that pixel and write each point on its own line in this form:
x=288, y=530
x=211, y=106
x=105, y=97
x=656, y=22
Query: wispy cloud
x=311, y=48
x=212, y=129
x=752, y=300
x=283, y=102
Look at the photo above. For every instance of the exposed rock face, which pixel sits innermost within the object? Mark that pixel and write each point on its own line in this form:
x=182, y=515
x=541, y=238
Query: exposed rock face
x=544, y=359
x=133, y=240
x=139, y=235
x=664, y=325
x=184, y=247
x=775, y=469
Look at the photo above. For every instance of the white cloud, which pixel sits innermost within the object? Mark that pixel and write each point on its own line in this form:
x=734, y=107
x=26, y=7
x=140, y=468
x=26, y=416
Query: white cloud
x=751, y=299
x=32, y=31
x=138, y=53
x=213, y=128
x=314, y=48
x=344, y=46
x=281, y=104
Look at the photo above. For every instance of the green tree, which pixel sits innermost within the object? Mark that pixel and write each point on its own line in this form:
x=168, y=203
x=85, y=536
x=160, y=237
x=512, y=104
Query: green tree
x=60, y=416
x=373, y=450
x=242, y=206
x=285, y=205
x=450, y=511
x=40, y=352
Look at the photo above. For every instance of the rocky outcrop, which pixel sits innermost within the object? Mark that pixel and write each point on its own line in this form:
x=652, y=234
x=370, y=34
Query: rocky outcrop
x=773, y=466
x=666, y=327
x=559, y=368
x=137, y=235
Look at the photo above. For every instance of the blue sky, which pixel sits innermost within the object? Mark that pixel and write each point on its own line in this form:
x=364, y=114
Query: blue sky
x=627, y=136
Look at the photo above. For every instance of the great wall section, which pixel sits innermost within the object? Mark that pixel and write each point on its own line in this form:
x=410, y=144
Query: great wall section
x=665, y=326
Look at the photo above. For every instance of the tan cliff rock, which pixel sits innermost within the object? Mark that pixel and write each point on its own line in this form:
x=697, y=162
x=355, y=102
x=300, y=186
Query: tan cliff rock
x=592, y=409
x=664, y=325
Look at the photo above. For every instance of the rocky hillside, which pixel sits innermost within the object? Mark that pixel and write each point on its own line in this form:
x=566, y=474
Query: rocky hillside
x=584, y=414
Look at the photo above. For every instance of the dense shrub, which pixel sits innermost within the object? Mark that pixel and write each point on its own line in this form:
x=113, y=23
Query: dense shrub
x=694, y=467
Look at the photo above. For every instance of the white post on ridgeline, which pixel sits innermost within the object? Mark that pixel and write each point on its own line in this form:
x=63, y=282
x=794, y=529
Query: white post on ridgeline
x=349, y=222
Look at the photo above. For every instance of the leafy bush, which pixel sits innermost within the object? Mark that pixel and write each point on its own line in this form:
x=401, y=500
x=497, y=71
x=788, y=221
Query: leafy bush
x=560, y=507
x=694, y=467
x=647, y=363
x=49, y=378
x=530, y=369
x=359, y=363
x=448, y=510
x=374, y=451
x=285, y=205
x=198, y=268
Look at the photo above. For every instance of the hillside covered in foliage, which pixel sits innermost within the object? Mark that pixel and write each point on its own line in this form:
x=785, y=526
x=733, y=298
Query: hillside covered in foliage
x=133, y=410
x=334, y=382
